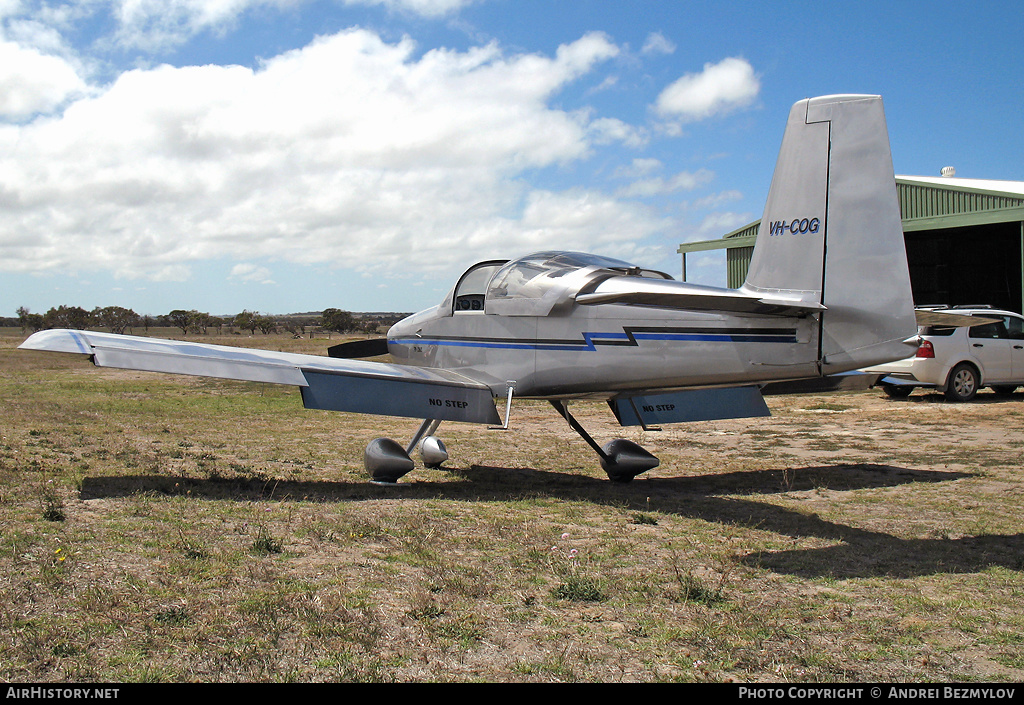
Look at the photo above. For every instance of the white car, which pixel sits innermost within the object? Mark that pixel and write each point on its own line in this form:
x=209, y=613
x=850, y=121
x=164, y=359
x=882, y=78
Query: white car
x=960, y=360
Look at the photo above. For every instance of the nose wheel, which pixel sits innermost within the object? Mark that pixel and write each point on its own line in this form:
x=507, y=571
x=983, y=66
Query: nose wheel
x=623, y=460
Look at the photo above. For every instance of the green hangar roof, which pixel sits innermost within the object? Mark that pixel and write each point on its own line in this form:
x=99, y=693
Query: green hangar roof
x=948, y=202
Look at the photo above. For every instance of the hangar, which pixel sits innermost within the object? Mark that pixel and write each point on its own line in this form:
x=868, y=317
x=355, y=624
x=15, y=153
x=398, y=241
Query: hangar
x=964, y=237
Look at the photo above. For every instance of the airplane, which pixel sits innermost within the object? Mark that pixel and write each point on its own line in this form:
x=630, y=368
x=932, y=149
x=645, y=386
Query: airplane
x=827, y=291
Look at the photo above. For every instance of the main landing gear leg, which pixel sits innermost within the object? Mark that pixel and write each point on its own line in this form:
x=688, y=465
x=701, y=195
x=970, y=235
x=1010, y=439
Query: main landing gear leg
x=432, y=449
x=386, y=461
x=621, y=459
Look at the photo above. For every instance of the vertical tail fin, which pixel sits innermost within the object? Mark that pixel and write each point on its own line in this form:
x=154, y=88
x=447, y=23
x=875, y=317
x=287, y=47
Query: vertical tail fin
x=831, y=232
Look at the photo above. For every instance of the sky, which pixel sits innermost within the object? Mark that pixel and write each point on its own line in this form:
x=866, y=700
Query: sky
x=293, y=155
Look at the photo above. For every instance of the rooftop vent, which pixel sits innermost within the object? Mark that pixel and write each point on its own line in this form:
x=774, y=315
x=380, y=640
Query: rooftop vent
x=948, y=171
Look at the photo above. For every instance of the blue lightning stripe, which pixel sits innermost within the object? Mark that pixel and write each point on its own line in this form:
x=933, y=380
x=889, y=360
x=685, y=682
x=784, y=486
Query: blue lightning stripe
x=589, y=337
x=591, y=340
x=718, y=337
x=510, y=345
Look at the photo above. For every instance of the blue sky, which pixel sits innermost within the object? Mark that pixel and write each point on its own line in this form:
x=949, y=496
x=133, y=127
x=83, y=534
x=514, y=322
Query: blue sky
x=291, y=155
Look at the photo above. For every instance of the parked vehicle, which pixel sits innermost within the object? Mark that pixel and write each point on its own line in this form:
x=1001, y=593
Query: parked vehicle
x=960, y=360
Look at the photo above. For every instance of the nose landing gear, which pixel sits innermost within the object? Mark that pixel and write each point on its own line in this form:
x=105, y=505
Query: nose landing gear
x=621, y=459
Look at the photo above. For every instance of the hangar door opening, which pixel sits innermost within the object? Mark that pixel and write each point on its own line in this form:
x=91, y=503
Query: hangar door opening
x=977, y=264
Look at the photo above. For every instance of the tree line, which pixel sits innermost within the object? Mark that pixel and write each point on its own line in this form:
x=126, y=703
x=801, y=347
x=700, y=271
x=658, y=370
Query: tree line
x=118, y=319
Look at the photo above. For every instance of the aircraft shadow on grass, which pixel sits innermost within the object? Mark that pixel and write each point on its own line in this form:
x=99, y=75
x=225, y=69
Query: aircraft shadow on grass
x=725, y=498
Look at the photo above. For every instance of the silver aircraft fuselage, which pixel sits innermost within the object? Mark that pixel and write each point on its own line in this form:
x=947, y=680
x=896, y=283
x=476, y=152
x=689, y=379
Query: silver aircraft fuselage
x=550, y=346
x=627, y=348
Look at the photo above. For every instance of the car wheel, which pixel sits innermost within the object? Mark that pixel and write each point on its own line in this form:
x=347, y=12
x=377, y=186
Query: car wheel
x=963, y=383
x=1004, y=389
x=897, y=391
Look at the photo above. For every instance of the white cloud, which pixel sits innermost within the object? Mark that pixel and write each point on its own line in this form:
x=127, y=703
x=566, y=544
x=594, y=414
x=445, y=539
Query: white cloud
x=248, y=272
x=715, y=200
x=154, y=24
x=427, y=8
x=656, y=43
x=164, y=273
x=639, y=167
x=608, y=130
x=33, y=82
x=350, y=151
x=683, y=181
x=719, y=88
x=10, y=7
x=41, y=36
x=720, y=223
x=583, y=220
x=158, y=24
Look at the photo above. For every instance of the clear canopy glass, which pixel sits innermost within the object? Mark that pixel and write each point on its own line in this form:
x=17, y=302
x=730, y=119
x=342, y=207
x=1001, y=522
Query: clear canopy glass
x=532, y=276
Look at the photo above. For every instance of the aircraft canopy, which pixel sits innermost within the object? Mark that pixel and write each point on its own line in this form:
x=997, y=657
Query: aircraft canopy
x=543, y=274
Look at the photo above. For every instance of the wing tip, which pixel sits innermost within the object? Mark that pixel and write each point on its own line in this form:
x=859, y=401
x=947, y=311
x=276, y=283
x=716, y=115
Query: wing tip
x=58, y=340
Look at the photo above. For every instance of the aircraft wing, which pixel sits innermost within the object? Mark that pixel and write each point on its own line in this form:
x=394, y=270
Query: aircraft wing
x=664, y=293
x=326, y=383
x=688, y=405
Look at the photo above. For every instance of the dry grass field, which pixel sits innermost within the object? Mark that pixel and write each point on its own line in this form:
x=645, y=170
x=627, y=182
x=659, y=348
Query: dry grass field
x=157, y=528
